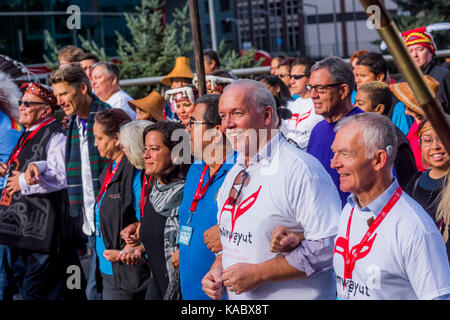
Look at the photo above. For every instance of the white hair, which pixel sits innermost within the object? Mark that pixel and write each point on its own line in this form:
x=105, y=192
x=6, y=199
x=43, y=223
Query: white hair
x=131, y=138
x=259, y=96
x=378, y=133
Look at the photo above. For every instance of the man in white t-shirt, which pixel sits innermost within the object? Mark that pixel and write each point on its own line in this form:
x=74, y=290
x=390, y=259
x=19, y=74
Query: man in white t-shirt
x=272, y=184
x=105, y=82
x=298, y=128
x=387, y=247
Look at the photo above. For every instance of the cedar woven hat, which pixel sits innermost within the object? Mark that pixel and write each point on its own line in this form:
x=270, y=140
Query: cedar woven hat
x=181, y=70
x=153, y=103
x=405, y=94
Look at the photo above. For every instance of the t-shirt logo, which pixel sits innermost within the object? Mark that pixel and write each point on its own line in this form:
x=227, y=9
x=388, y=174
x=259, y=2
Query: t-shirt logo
x=341, y=248
x=237, y=211
x=297, y=117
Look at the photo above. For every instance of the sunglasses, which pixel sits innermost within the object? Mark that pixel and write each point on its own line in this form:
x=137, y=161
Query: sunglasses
x=242, y=179
x=28, y=104
x=298, y=76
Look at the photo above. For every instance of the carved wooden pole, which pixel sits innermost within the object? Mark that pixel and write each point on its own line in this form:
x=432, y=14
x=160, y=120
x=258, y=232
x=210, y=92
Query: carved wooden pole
x=198, y=49
x=390, y=34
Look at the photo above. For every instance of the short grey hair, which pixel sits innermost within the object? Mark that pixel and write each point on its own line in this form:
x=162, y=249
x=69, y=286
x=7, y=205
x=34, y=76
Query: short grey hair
x=110, y=68
x=378, y=133
x=259, y=96
x=340, y=71
x=131, y=138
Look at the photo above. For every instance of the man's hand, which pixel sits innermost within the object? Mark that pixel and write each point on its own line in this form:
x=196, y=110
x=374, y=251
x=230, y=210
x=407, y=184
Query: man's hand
x=32, y=175
x=175, y=259
x=131, y=233
x=212, y=283
x=241, y=277
x=284, y=240
x=212, y=239
x=111, y=255
x=13, y=183
x=131, y=255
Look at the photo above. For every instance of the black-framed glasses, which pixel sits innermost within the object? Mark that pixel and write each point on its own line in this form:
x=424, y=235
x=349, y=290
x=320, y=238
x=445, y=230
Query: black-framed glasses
x=28, y=104
x=298, y=76
x=191, y=123
x=322, y=88
x=242, y=179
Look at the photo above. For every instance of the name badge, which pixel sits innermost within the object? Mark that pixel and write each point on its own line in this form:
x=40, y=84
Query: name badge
x=4, y=182
x=185, y=235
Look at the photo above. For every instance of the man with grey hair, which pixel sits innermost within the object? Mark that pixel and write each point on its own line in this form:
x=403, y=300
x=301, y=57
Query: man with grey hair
x=331, y=84
x=272, y=184
x=387, y=246
x=105, y=78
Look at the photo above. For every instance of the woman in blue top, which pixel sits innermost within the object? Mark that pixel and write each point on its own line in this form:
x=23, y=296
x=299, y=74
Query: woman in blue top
x=116, y=207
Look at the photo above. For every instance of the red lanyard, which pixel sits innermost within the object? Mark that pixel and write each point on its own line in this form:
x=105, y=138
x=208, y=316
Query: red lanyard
x=109, y=176
x=350, y=257
x=18, y=149
x=200, y=192
x=144, y=194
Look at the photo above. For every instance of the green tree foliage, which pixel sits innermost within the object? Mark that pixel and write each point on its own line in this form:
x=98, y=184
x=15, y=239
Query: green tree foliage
x=51, y=59
x=153, y=48
x=231, y=59
x=414, y=14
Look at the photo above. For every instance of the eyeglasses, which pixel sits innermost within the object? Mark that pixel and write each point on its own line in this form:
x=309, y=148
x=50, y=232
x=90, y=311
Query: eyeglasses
x=193, y=122
x=322, y=88
x=284, y=75
x=28, y=104
x=428, y=141
x=298, y=76
x=242, y=179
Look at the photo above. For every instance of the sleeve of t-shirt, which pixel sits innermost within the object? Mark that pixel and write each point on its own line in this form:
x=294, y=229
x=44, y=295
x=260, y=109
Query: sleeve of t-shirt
x=427, y=266
x=315, y=202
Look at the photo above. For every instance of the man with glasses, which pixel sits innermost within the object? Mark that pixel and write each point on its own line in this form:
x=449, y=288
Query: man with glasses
x=331, y=84
x=298, y=128
x=272, y=183
x=198, y=211
x=31, y=212
x=83, y=162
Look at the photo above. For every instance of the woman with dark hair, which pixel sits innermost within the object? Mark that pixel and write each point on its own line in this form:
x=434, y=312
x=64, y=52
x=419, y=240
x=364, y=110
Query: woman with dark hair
x=116, y=207
x=159, y=228
x=425, y=187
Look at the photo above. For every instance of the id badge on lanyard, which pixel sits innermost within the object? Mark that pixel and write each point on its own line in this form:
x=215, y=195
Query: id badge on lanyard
x=186, y=230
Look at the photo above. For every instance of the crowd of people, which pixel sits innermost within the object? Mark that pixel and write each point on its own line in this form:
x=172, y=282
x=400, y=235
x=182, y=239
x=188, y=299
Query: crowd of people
x=321, y=180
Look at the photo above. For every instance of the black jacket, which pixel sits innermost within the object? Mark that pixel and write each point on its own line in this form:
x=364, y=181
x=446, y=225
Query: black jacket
x=117, y=212
x=442, y=75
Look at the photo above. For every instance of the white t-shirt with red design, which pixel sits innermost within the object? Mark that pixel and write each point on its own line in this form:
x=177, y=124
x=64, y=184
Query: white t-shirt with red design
x=407, y=260
x=298, y=128
x=287, y=187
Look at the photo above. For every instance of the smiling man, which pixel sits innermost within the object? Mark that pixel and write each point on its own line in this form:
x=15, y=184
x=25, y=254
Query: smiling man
x=83, y=162
x=198, y=211
x=388, y=247
x=31, y=212
x=272, y=183
x=331, y=83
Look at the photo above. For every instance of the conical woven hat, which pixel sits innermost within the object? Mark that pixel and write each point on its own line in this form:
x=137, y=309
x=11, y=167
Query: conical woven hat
x=153, y=103
x=181, y=70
